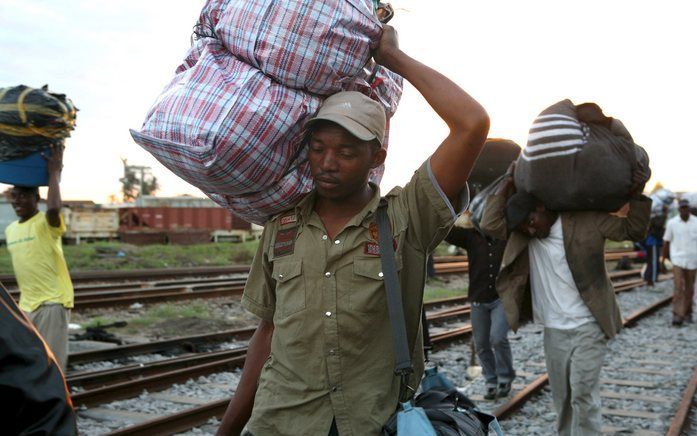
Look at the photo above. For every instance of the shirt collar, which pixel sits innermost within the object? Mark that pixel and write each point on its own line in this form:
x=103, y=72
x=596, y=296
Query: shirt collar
x=305, y=210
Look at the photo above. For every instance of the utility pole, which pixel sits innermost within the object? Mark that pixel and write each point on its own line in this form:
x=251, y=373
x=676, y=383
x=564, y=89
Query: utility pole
x=136, y=168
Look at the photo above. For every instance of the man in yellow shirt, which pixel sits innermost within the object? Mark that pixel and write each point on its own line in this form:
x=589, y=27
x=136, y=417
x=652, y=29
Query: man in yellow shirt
x=34, y=242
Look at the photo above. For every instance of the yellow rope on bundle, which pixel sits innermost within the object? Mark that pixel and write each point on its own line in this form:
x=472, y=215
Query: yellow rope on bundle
x=67, y=114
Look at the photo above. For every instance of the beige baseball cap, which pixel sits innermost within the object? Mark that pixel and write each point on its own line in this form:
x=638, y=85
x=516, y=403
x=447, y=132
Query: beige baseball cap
x=363, y=117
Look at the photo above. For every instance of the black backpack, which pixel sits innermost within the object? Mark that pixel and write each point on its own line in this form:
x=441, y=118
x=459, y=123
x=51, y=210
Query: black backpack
x=450, y=412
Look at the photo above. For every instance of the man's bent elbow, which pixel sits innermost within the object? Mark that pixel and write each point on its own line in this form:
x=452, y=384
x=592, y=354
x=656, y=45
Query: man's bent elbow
x=474, y=124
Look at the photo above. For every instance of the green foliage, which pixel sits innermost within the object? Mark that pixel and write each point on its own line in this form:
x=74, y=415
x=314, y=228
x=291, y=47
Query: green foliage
x=137, y=180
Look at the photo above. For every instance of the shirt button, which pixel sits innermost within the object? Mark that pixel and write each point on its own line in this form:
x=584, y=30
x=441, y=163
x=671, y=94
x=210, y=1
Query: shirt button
x=337, y=242
x=334, y=388
x=280, y=276
x=490, y=254
x=327, y=274
x=380, y=274
x=328, y=314
x=325, y=237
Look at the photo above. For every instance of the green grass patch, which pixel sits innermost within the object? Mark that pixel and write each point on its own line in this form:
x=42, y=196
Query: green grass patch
x=99, y=321
x=165, y=312
x=438, y=293
x=118, y=256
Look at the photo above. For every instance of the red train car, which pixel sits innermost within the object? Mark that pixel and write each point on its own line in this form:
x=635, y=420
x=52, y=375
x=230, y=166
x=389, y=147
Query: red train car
x=179, y=218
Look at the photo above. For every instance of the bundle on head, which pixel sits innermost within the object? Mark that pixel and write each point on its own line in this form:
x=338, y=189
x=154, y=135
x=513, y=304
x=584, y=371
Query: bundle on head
x=577, y=158
x=232, y=120
x=32, y=119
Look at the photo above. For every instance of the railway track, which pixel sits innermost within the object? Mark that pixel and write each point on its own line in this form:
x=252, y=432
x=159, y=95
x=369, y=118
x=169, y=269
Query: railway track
x=531, y=389
x=128, y=381
x=123, y=288
x=645, y=373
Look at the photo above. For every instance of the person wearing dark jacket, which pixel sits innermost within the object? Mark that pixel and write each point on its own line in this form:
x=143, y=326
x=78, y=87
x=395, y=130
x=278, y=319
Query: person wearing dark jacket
x=556, y=261
x=489, y=325
x=34, y=398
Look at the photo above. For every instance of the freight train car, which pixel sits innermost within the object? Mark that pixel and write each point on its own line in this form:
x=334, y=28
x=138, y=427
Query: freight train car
x=182, y=225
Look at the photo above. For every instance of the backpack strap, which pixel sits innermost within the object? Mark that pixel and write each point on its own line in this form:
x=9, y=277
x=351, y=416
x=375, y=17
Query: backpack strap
x=395, y=309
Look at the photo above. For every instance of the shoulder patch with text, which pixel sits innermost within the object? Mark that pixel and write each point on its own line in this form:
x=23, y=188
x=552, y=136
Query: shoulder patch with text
x=288, y=219
x=285, y=242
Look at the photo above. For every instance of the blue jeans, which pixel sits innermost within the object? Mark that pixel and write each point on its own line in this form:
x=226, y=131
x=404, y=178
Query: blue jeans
x=490, y=331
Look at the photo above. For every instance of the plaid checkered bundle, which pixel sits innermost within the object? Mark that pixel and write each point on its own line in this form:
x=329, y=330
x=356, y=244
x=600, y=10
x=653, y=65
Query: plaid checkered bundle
x=295, y=41
x=236, y=133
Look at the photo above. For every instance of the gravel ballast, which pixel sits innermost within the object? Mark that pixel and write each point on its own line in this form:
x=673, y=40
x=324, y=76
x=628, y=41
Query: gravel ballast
x=651, y=351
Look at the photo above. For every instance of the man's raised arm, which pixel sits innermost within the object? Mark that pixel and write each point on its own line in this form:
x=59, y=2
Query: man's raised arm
x=54, y=202
x=452, y=162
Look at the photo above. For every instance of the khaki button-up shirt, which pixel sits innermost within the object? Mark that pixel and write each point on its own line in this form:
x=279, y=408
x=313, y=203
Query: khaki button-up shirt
x=332, y=354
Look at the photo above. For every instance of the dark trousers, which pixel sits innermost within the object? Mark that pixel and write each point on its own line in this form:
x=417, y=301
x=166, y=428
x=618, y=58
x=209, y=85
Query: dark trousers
x=652, y=267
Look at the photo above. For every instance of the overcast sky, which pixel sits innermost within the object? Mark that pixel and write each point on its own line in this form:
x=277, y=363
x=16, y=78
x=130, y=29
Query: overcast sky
x=633, y=58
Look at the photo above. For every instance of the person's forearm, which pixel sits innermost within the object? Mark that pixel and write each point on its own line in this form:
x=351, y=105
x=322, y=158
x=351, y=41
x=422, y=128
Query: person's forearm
x=240, y=408
x=665, y=254
x=54, y=201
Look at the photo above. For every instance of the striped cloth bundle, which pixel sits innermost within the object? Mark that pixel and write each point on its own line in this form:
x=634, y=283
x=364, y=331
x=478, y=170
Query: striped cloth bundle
x=556, y=132
x=231, y=122
x=576, y=158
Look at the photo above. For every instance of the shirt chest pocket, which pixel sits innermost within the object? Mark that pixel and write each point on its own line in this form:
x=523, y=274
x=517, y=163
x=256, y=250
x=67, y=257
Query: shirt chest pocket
x=290, y=287
x=367, y=293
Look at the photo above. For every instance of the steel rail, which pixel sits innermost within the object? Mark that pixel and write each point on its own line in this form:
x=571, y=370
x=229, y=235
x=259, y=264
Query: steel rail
x=177, y=422
x=158, y=297
x=94, y=379
x=168, y=345
x=157, y=382
x=677, y=424
x=141, y=274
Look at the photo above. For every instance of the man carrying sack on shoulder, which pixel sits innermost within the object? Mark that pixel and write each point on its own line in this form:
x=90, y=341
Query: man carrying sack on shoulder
x=554, y=269
x=322, y=359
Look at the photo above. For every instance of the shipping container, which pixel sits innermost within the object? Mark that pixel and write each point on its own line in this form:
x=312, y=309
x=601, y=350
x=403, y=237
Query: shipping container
x=172, y=218
x=90, y=223
x=188, y=237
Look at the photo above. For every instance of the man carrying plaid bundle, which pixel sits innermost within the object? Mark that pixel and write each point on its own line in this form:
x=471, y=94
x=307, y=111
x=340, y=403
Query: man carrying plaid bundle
x=322, y=359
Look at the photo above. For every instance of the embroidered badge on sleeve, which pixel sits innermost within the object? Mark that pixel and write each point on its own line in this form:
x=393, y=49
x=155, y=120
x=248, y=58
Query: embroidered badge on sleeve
x=285, y=242
x=288, y=219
